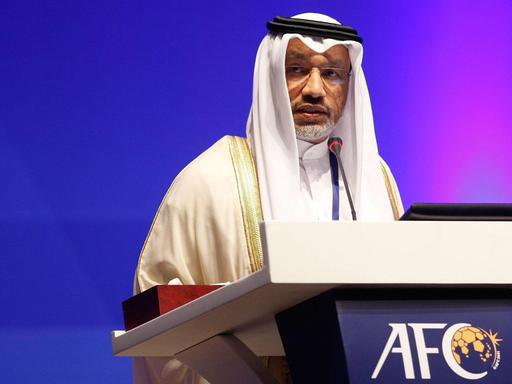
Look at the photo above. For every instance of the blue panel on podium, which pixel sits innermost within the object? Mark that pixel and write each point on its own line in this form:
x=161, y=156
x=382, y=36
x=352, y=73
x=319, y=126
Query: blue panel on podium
x=427, y=341
x=384, y=336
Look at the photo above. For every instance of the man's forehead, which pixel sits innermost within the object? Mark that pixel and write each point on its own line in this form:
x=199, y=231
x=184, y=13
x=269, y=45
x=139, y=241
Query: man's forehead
x=297, y=49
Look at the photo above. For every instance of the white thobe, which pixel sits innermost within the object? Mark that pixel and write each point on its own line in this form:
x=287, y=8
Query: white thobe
x=316, y=183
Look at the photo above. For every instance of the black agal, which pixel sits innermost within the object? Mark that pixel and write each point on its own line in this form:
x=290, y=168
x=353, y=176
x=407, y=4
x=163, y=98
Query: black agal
x=282, y=24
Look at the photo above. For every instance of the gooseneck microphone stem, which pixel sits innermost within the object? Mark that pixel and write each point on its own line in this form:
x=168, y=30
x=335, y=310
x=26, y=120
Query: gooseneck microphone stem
x=335, y=145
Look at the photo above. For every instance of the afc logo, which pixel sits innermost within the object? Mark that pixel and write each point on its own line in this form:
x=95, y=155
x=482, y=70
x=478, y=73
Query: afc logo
x=469, y=351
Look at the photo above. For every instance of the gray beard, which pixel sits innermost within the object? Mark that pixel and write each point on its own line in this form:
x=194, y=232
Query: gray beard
x=314, y=132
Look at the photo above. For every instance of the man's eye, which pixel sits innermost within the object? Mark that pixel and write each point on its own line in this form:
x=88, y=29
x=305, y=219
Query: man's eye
x=330, y=73
x=296, y=69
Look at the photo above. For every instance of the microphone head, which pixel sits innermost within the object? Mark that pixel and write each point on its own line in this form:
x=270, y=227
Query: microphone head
x=335, y=144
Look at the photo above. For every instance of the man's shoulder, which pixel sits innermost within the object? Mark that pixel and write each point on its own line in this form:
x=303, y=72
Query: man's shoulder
x=392, y=189
x=219, y=150
x=210, y=170
x=214, y=162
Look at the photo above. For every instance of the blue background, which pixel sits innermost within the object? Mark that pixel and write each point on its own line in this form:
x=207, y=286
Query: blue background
x=103, y=102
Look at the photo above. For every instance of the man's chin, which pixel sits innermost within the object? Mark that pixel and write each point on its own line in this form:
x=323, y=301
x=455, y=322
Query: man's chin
x=314, y=133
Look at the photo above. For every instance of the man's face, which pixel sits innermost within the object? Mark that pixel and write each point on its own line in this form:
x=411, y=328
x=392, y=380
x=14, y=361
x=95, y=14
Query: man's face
x=317, y=86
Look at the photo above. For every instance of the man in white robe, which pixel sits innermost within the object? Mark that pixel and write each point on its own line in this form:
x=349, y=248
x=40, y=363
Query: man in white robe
x=206, y=229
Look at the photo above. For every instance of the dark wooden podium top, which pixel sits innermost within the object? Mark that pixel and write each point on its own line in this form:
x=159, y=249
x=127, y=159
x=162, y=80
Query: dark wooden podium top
x=158, y=300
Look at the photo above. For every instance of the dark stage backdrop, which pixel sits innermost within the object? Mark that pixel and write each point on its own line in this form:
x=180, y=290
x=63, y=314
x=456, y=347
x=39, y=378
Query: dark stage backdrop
x=103, y=102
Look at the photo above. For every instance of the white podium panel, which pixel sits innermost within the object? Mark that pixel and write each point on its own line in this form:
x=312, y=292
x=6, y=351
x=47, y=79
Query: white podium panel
x=302, y=260
x=402, y=252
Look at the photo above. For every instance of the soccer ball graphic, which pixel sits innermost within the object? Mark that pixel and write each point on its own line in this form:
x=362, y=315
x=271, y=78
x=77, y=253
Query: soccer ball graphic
x=474, y=349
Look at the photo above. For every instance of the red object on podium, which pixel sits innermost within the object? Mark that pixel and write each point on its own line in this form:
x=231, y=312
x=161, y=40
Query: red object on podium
x=160, y=299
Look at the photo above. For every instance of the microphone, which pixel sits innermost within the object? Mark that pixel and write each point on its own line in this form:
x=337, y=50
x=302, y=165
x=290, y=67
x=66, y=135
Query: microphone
x=335, y=144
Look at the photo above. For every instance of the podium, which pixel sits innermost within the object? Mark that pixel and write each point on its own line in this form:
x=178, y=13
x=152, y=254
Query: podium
x=393, y=297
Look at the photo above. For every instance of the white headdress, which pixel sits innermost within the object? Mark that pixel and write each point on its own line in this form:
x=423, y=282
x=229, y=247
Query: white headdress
x=271, y=132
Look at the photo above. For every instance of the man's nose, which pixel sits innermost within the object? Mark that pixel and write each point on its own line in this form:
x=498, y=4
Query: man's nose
x=314, y=86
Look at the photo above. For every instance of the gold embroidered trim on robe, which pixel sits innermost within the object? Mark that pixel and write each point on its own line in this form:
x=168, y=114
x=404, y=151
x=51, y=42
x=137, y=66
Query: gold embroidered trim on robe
x=393, y=199
x=248, y=191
